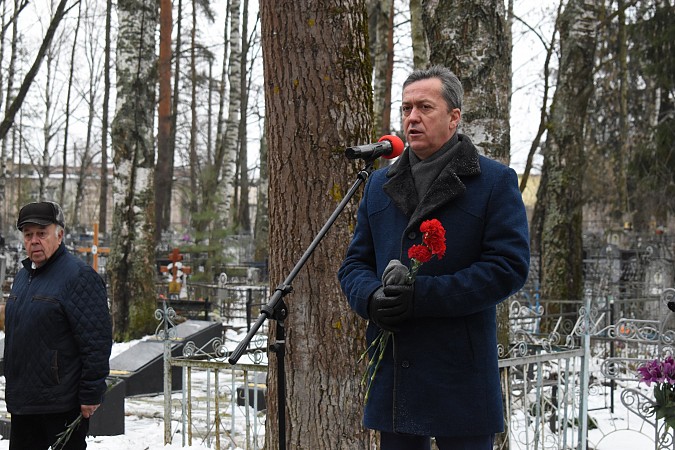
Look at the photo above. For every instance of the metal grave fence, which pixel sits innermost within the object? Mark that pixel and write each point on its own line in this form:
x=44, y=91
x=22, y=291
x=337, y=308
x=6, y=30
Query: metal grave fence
x=569, y=376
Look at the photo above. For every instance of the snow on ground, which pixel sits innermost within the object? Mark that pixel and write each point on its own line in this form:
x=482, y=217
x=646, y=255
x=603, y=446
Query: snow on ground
x=144, y=424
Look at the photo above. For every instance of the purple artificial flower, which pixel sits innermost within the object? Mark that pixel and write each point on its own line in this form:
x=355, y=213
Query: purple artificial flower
x=668, y=369
x=652, y=372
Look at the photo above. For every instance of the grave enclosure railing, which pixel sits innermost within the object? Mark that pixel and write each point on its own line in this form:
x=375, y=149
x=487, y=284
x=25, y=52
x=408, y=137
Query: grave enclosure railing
x=569, y=375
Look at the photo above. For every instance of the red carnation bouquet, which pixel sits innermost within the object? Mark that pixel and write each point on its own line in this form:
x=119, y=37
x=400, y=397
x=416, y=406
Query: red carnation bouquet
x=433, y=244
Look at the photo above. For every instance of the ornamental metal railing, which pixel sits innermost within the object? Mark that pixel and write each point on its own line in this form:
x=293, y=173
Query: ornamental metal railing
x=569, y=375
x=220, y=405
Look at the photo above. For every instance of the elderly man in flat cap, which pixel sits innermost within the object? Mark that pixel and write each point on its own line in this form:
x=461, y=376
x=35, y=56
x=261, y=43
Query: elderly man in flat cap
x=58, y=337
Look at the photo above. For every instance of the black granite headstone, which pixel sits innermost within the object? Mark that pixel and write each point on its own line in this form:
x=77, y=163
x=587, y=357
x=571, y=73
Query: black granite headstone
x=142, y=365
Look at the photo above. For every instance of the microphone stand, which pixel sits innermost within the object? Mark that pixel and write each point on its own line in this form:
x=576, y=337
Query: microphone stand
x=277, y=310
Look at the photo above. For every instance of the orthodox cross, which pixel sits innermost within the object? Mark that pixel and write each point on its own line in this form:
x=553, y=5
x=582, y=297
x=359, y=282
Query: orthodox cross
x=94, y=249
x=176, y=268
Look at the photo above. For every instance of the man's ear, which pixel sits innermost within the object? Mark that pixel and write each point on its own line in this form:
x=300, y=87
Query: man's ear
x=455, y=117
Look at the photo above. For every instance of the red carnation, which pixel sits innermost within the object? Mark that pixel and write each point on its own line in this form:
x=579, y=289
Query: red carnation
x=420, y=252
x=434, y=236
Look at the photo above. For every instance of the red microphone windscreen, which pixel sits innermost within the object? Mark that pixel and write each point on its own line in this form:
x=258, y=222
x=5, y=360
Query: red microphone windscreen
x=396, y=145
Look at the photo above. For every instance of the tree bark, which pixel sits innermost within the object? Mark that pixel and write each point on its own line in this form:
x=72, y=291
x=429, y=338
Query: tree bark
x=470, y=37
x=243, y=219
x=132, y=256
x=562, y=193
x=318, y=101
x=420, y=44
x=383, y=65
x=103, y=194
x=230, y=142
x=165, y=155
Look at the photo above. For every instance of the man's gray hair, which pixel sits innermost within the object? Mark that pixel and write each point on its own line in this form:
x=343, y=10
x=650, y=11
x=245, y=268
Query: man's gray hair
x=452, y=90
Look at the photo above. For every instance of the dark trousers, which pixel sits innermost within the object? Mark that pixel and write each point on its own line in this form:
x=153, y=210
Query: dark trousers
x=39, y=431
x=393, y=441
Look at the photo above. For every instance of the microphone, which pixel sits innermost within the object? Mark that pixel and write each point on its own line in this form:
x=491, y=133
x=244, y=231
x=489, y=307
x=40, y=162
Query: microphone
x=388, y=146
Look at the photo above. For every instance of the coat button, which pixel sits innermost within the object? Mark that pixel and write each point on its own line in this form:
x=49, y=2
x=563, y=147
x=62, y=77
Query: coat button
x=412, y=235
x=405, y=364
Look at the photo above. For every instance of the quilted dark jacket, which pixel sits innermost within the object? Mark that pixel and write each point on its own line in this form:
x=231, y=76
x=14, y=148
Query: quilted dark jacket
x=58, y=337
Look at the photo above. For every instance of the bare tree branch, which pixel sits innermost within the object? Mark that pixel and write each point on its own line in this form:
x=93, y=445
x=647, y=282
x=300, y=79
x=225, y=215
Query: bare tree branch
x=7, y=122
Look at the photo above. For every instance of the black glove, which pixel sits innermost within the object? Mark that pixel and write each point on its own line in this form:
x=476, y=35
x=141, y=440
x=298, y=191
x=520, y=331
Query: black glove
x=391, y=305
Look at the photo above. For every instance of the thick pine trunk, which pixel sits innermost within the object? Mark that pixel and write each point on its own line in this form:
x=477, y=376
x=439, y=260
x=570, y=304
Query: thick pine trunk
x=318, y=101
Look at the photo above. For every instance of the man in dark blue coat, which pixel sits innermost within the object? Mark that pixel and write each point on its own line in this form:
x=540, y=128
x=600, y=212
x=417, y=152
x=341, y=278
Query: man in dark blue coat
x=58, y=337
x=439, y=376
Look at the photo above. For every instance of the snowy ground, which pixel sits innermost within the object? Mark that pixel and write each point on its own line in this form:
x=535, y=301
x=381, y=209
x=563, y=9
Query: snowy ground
x=144, y=424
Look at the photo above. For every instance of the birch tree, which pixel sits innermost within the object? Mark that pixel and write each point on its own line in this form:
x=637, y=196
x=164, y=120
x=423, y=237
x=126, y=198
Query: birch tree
x=132, y=256
x=318, y=101
x=419, y=41
x=470, y=37
x=381, y=31
x=66, y=130
x=230, y=141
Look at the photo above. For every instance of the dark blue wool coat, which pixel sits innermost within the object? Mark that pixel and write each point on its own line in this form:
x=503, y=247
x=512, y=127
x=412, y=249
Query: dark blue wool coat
x=440, y=376
x=58, y=337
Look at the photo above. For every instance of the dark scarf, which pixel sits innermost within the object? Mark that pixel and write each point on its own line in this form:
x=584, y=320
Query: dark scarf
x=460, y=160
x=424, y=172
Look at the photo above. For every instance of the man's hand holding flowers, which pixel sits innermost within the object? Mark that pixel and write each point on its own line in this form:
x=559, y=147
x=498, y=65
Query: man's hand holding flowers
x=392, y=304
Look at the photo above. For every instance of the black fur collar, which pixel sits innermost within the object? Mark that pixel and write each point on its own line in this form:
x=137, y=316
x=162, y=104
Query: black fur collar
x=448, y=186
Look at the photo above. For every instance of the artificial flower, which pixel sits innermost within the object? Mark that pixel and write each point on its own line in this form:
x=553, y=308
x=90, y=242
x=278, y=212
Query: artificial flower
x=661, y=373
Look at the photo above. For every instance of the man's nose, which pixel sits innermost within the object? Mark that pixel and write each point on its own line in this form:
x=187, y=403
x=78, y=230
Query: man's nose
x=414, y=115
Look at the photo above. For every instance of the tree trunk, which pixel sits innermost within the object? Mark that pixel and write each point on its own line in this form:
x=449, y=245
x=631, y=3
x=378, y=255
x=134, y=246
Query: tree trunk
x=194, y=161
x=419, y=38
x=91, y=97
x=383, y=64
x=262, y=221
x=318, y=102
x=165, y=156
x=66, y=128
x=470, y=37
x=176, y=82
x=11, y=66
x=230, y=142
x=103, y=195
x=243, y=217
x=48, y=126
x=561, y=243
x=132, y=256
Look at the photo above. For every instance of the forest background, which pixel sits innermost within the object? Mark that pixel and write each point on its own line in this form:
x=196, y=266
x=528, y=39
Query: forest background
x=215, y=110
